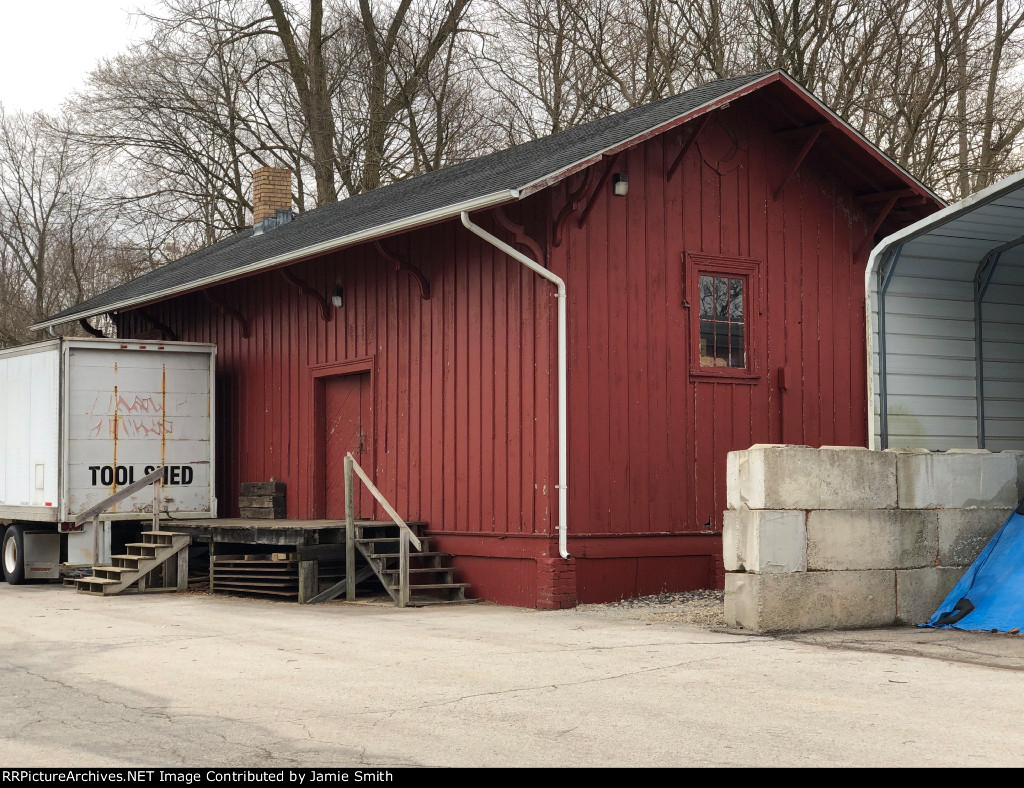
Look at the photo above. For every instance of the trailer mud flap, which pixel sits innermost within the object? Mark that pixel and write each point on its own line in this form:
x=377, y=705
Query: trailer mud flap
x=42, y=555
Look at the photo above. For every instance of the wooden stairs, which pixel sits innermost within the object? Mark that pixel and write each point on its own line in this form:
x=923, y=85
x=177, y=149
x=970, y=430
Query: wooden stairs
x=161, y=556
x=431, y=578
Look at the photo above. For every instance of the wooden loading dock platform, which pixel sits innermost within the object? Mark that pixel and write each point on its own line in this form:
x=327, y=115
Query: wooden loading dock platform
x=313, y=542
x=317, y=547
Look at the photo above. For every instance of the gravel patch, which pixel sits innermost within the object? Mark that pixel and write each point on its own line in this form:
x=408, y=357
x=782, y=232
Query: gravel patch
x=704, y=608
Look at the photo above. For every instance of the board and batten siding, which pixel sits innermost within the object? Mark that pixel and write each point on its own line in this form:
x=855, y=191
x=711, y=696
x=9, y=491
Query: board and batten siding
x=463, y=383
x=464, y=408
x=648, y=439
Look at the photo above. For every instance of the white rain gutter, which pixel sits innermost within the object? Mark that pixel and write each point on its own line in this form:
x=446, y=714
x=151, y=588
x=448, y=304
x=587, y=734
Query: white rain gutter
x=563, y=374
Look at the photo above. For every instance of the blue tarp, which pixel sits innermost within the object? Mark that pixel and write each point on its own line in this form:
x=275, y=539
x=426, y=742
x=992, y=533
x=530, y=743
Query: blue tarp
x=993, y=584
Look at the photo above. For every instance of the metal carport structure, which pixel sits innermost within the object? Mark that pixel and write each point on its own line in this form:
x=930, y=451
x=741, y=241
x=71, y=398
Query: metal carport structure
x=946, y=327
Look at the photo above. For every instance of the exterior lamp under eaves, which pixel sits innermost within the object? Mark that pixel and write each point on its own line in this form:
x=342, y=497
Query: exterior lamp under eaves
x=338, y=297
x=620, y=184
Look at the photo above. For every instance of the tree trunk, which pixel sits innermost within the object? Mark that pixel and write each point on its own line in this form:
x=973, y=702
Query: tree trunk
x=310, y=79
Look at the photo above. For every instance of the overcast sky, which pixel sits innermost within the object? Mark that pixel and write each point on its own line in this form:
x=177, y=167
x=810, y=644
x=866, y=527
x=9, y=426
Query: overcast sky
x=48, y=46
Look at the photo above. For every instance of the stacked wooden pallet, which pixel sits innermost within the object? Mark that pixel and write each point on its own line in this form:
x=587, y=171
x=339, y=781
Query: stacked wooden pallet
x=267, y=574
x=270, y=574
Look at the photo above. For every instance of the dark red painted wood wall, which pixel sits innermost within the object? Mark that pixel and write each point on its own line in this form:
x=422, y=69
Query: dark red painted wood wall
x=443, y=403
x=463, y=384
x=649, y=440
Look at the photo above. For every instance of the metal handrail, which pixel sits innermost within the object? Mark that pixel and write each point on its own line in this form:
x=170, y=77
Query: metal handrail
x=405, y=533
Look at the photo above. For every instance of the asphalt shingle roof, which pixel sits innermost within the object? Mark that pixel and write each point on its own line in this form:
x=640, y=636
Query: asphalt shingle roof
x=511, y=169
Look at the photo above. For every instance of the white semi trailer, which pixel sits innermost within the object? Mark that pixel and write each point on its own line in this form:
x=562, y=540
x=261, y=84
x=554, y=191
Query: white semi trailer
x=81, y=419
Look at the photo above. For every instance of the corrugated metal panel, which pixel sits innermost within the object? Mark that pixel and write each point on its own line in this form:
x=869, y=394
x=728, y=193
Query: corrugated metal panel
x=1003, y=351
x=931, y=354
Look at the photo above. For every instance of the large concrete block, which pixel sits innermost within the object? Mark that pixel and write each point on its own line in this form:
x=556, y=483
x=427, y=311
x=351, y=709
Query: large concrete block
x=872, y=539
x=957, y=479
x=920, y=591
x=963, y=533
x=801, y=601
x=764, y=540
x=1019, y=457
x=796, y=477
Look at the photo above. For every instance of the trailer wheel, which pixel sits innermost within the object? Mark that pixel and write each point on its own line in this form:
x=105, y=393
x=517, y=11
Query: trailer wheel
x=14, y=554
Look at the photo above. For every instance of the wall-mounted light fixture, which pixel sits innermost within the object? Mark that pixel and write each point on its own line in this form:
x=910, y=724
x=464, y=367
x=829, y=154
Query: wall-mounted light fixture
x=620, y=184
x=338, y=297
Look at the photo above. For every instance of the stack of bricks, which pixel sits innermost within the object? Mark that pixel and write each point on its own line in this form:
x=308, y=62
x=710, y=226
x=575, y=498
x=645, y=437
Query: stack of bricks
x=263, y=500
x=271, y=192
x=843, y=537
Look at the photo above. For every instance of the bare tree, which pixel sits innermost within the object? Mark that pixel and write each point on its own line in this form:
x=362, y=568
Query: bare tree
x=58, y=243
x=987, y=53
x=713, y=34
x=35, y=187
x=643, y=48
x=449, y=120
x=352, y=95
x=305, y=57
x=187, y=117
x=533, y=58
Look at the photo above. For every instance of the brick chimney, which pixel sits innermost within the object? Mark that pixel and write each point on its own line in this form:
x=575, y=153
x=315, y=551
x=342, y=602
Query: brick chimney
x=271, y=192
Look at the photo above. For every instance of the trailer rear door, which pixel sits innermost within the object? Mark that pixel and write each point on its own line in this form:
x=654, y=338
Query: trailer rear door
x=129, y=410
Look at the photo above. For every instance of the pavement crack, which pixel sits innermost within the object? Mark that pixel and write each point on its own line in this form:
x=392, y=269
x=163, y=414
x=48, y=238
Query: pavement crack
x=561, y=685
x=71, y=688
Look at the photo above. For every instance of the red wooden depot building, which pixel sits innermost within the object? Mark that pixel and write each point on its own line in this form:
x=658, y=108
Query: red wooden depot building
x=712, y=247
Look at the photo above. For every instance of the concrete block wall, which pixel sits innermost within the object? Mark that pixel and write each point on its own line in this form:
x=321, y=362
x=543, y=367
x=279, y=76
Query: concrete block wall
x=842, y=537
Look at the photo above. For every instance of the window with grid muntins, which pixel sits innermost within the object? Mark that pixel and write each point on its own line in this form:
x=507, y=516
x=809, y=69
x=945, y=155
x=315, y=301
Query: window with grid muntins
x=722, y=326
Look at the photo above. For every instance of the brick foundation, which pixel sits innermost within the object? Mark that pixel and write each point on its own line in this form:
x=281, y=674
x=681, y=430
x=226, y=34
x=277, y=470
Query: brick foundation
x=556, y=583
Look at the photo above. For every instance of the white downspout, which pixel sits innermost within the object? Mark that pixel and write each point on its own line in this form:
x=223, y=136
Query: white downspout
x=563, y=374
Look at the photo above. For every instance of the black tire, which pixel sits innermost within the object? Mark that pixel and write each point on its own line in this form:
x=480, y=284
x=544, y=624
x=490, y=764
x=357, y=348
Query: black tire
x=13, y=554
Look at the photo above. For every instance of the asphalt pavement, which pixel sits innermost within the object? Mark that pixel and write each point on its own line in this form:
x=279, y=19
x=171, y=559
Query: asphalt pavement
x=181, y=680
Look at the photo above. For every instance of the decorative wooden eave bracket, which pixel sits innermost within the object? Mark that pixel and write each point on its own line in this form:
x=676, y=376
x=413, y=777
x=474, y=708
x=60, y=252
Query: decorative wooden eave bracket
x=611, y=159
x=813, y=132
x=519, y=234
x=404, y=265
x=305, y=289
x=163, y=328
x=230, y=311
x=905, y=196
x=88, y=329
x=688, y=143
x=881, y=217
x=572, y=204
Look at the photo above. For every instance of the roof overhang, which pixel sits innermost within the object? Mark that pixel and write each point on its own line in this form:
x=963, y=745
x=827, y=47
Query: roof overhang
x=505, y=196
x=778, y=76
x=408, y=223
